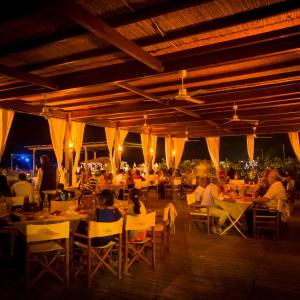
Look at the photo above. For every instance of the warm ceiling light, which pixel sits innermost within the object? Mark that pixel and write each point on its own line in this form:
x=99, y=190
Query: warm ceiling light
x=120, y=148
x=173, y=152
x=71, y=144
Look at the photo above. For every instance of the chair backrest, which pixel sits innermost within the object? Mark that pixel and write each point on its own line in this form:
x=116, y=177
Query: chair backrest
x=236, y=181
x=15, y=201
x=190, y=198
x=138, y=184
x=3, y=208
x=47, y=232
x=194, y=181
x=102, y=229
x=63, y=206
x=177, y=181
x=141, y=222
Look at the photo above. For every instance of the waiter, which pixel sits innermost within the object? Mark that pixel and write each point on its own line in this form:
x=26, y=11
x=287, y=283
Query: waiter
x=46, y=177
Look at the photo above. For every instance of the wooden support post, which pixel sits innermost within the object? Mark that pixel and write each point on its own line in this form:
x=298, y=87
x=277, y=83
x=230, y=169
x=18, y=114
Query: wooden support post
x=33, y=160
x=68, y=150
x=95, y=154
x=85, y=158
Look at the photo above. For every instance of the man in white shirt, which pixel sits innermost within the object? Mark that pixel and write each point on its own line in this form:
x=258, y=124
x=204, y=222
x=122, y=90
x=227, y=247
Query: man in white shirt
x=274, y=198
x=276, y=193
x=203, y=182
x=22, y=187
x=209, y=195
x=121, y=178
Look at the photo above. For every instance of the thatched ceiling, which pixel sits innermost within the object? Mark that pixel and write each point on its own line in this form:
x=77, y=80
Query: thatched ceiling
x=111, y=62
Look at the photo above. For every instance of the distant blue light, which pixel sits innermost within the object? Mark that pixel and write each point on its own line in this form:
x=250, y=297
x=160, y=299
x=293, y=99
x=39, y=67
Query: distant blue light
x=22, y=157
x=27, y=159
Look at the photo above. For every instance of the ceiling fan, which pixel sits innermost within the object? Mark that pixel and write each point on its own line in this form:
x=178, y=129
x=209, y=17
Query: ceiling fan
x=46, y=110
x=182, y=92
x=255, y=135
x=235, y=117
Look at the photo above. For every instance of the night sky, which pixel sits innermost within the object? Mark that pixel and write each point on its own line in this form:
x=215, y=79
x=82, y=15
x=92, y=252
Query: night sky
x=34, y=130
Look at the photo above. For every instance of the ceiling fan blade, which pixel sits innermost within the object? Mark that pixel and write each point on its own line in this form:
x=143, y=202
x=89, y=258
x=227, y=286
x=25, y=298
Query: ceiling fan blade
x=197, y=101
x=230, y=121
x=195, y=93
x=187, y=112
x=246, y=120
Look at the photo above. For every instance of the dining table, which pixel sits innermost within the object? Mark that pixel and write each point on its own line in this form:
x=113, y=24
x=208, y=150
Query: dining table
x=235, y=208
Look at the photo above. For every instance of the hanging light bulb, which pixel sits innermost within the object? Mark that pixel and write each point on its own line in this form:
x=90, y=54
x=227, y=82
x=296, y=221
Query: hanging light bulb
x=120, y=148
x=173, y=152
x=186, y=135
x=71, y=144
x=151, y=150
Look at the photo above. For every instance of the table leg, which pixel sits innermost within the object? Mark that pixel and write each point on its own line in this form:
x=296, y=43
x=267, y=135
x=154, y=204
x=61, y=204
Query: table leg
x=233, y=224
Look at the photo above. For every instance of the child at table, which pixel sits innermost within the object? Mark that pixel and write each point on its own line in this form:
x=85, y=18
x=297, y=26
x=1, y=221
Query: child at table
x=137, y=209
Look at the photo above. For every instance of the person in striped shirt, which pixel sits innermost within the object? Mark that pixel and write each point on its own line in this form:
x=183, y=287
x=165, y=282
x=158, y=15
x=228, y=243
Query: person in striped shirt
x=90, y=185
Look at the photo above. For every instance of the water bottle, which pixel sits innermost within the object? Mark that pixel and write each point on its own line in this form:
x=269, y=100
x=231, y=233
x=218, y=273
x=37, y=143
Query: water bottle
x=46, y=205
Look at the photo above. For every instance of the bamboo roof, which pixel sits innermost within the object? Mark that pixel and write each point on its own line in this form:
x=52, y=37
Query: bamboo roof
x=109, y=63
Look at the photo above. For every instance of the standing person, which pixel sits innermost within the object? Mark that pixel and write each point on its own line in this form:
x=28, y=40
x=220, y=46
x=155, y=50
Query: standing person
x=46, y=177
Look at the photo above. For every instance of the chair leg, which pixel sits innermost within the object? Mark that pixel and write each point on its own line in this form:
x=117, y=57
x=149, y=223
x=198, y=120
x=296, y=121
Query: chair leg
x=67, y=262
x=27, y=272
x=153, y=249
x=120, y=257
x=89, y=262
x=126, y=253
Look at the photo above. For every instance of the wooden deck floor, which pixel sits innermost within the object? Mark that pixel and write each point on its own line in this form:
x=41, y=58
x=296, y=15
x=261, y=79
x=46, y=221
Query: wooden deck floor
x=199, y=266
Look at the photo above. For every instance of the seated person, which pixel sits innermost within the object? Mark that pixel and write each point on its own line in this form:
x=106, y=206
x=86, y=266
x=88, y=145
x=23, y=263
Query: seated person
x=107, y=213
x=90, y=186
x=200, y=189
x=4, y=189
x=273, y=199
x=22, y=188
x=210, y=194
x=151, y=178
x=121, y=177
x=138, y=175
x=129, y=179
x=102, y=178
x=137, y=209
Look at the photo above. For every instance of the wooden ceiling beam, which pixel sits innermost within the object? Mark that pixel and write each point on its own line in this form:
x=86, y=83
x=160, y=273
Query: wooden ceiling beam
x=105, y=32
x=186, y=59
x=158, y=9
x=48, y=83
x=202, y=57
x=152, y=97
x=253, y=114
x=215, y=24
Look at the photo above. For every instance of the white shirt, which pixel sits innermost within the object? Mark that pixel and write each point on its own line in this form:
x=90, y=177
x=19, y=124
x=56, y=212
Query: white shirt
x=275, y=194
x=22, y=188
x=120, y=179
x=210, y=194
x=199, y=193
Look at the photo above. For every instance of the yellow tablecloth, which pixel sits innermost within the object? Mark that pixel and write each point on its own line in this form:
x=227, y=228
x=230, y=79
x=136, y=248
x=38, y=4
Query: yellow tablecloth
x=234, y=209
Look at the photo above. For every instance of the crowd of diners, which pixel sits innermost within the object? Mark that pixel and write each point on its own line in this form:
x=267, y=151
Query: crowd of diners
x=272, y=192
x=273, y=186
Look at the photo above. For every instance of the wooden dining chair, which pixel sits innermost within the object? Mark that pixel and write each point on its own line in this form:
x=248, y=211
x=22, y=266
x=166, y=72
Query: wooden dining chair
x=174, y=189
x=45, y=245
x=135, y=250
x=266, y=220
x=96, y=257
x=164, y=226
x=198, y=214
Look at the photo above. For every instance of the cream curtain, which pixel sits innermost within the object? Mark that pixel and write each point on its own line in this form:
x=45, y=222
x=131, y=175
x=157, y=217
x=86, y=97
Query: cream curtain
x=153, y=147
x=168, y=151
x=77, y=133
x=6, y=118
x=178, y=148
x=145, y=140
x=250, y=148
x=213, y=145
x=294, y=139
x=57, y=132
x=119, y=141
x=110, y=139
